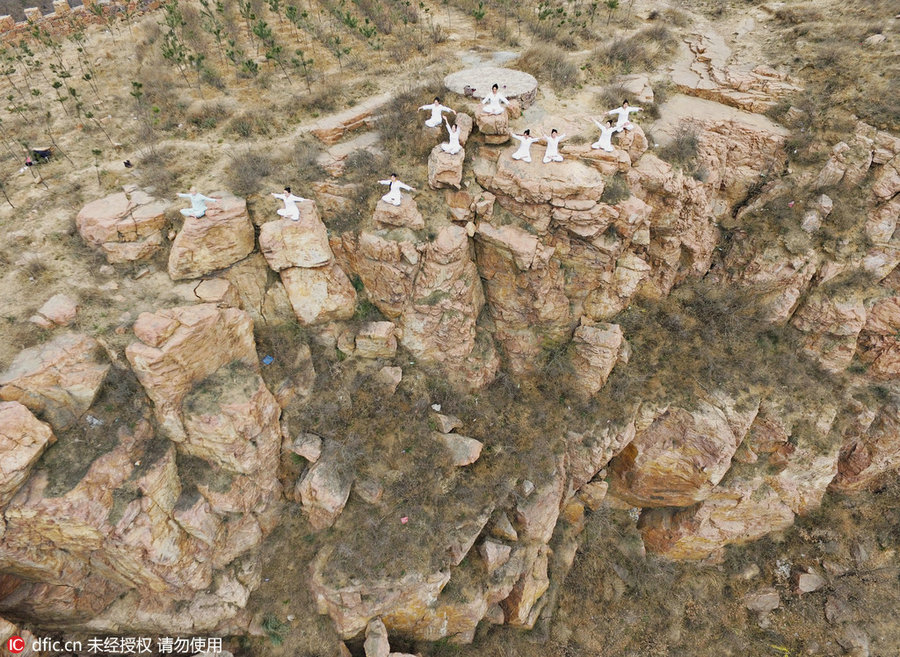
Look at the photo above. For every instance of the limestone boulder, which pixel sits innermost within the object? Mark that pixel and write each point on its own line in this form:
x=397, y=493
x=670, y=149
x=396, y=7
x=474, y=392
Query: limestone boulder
x=634, y=142
x=177, y=348
x=219, y=291
x=887, y=180
x=444, y=169
x=754, y=499
x=324, y=489
x=58, y=380
x=390, y=378
x=596, y=350
x=465, y=123
x=521, y=607
x=320, y=294
x=215, y=241
x=535, y=182
x=23, y=438
x=302, y=243
x=125, y=226
x=494, y=127
x=404, y=215
x=680, y=456
x=376, y=643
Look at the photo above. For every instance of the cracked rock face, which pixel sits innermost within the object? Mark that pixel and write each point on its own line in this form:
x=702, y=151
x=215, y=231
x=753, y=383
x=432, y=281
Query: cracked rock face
x=126, y=226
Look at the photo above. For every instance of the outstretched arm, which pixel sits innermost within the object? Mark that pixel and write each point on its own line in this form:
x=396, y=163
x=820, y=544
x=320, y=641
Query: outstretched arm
x=560, y=138
x=184, y=196
x=384, y=182
x=504, y=100
x=597, y=123
x=406, y=187
x=485, y=100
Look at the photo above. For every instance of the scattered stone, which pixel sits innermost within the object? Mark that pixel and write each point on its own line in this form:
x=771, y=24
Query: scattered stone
x=390, y=377
x=307, y=445
x=59, y=310
x=874, y=40
x=824, y=205
x=376, y=644
x=324, y=489
x=593, y=493
x=854, y=640
x=762, y=600
x=837, y=610
x=446, y=423
x=369, y=491
x=376, y=340
x=502, y=528
x=463, y=450
x=808, y=581
x=494, y=555
x=596, y=352
x=812, y=221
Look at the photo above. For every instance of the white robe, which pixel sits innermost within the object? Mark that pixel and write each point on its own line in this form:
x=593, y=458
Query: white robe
x=622, y=114
x=453, y=147
x=494, y=102
x=552, y=154
x=524, y=150
x=198, y=205
x=290, y=209
x=394, y=197
x=436, y=114
x=605, y=141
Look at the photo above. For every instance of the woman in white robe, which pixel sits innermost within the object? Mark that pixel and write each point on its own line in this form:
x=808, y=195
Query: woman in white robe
x=394, y=197
x=525, y=141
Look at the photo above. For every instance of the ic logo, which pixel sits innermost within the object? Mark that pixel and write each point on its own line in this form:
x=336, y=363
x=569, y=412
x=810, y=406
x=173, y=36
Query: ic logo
x=15, y=644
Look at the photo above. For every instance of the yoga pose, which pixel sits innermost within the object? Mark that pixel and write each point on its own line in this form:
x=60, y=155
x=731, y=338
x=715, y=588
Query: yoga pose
x=394, y=197
x=623, y=112
x=552, y=154
x=606, y=133
x=453, y=146
x=437, y=111
x=494, y=101
x=525, y=141
x=198, y=203
x=290, y=209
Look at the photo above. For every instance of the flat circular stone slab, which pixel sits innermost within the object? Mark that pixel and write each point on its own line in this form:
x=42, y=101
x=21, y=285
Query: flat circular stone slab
x=513, y=84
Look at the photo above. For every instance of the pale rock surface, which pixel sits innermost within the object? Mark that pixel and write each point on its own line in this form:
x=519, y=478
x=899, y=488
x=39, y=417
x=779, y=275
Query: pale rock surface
x=219, y=291
x=376, y=340
x=404, y=215
x=678, y=456
x=462, y=449
x=390, y=377
x=596, y=351
x=831, y=323
x=879, y=345
x=444, y=169
x=333, y=128
x=23, y=438
x=762, y=600
x=217, y=240
x=307, y=445
x=376, y=643
x=494, y=554
x=386, y=266
x=125, y=226
x=58, y=310
x=302, y=243
x=180, y=347
x=446, y=423
x=494, y=127
x=58, y=380
x=325, y=488
x=320, y=294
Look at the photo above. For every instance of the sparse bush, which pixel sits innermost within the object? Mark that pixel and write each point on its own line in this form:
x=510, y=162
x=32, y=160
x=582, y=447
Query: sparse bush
x=157, y=172
x=616, y=190
x=682, y=149
x=643, y=50
x=251, y=124
x=548, y=63
x=246, y=171
x=208, y=114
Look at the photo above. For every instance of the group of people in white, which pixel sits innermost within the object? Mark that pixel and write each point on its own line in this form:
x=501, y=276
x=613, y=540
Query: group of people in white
x=494, y=103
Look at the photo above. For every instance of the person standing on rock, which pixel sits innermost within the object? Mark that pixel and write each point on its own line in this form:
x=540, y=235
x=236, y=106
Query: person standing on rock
x=198, y=203
x=394, y=197
x=622, y=113
x=290, y=209
x=453, y=147
x=494, y=101
x=552, y=153
x=437, y=112
x=525, y=141
x=606, y=133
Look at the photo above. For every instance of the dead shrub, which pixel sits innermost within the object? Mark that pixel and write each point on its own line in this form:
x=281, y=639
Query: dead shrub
x=548, y=63
x=246, y=171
